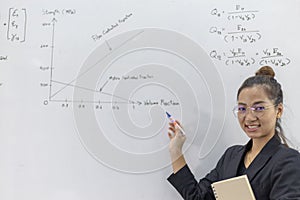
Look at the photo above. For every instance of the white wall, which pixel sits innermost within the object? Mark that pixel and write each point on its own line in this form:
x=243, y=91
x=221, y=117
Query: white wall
x=85, y=85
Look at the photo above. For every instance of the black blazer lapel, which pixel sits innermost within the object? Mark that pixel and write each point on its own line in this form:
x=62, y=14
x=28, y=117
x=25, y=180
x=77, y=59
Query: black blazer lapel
x=232, y=169
x=263, y=157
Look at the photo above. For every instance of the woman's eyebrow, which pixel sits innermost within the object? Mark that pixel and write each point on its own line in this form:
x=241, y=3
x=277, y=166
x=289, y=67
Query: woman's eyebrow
x=256, y=102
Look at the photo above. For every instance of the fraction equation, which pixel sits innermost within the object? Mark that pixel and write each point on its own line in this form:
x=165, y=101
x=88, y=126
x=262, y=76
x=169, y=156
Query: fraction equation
x=239, y=13
x=240, y=34
x=237, y=56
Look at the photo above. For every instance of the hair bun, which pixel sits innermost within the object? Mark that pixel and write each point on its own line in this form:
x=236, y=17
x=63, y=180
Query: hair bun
x=266, y=71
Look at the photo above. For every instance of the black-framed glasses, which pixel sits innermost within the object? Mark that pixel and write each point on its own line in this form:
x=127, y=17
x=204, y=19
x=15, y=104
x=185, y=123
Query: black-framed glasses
x=258, y=111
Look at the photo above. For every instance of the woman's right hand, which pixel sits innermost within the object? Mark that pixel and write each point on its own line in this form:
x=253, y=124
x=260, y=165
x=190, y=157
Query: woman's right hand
x=177, y=139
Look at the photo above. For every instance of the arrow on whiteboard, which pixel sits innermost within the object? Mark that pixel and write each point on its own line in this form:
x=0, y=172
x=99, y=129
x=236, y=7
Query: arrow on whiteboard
x=106, y=42
x=54, y=20
x=103, y=86
x=52, y=57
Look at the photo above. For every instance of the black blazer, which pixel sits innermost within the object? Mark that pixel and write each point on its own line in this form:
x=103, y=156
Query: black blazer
x=273, y=174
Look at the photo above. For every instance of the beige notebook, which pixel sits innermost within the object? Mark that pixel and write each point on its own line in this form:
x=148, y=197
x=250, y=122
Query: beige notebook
x=237, y=188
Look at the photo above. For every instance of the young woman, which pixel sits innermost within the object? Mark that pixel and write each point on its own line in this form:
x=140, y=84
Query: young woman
x=273, y=168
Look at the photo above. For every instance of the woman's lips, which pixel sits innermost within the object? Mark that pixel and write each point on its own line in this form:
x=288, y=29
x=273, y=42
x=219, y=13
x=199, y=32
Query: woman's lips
x=252, y=127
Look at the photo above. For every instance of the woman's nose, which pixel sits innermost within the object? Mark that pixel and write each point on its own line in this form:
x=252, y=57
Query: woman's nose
x=250, y=115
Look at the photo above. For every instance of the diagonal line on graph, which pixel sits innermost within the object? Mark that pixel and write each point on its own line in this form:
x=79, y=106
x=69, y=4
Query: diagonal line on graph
x=92, y=66
x=75, y=86
x=91, y=90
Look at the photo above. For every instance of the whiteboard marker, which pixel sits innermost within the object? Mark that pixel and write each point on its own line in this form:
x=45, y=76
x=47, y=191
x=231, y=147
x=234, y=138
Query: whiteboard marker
x=174, y=122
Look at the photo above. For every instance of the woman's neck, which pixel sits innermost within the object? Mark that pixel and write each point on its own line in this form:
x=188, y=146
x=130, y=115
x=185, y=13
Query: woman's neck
x=259, y=143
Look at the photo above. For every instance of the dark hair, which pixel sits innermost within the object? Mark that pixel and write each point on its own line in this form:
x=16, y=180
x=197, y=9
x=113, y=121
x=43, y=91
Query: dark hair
x=264, y=77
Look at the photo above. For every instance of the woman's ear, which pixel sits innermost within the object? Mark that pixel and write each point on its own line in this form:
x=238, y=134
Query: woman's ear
x=279, y=110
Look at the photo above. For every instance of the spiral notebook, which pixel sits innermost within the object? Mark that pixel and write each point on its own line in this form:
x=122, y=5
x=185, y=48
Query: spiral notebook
x=237, y=188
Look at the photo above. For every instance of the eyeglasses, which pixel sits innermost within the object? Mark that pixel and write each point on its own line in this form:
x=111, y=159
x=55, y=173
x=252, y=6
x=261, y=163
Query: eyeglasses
x=258, y=111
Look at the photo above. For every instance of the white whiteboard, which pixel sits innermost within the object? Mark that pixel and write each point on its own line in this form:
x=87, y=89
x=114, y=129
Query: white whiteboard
x=85, y=85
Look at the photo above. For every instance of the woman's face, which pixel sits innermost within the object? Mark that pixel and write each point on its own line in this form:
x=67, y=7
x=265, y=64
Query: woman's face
x=261, y=123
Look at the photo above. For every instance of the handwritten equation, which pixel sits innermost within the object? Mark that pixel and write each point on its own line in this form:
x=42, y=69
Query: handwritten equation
x=240, y=29
x=17, y=21
x=239, y=13
x=240, y=34
x=272, y=56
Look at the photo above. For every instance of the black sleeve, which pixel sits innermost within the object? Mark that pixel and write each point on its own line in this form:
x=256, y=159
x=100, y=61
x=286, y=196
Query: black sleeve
x=186, y=184
x=286, y=177
x=188, y=187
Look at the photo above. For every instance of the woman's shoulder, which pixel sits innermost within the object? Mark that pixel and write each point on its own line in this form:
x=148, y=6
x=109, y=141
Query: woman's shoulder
x=235, y=148
x=286, y=160
x=287, y=152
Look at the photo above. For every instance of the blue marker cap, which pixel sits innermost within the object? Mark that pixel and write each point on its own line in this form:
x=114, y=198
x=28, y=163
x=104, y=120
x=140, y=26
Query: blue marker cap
x=168, y=115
